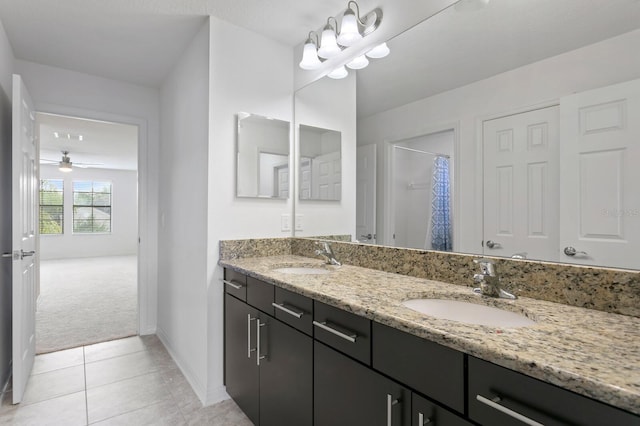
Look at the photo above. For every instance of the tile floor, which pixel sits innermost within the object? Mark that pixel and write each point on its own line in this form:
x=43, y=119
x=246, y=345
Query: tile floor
x=131, y=381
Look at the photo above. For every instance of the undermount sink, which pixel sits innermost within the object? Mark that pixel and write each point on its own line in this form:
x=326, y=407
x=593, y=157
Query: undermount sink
x=303, y=270
x=467, y=312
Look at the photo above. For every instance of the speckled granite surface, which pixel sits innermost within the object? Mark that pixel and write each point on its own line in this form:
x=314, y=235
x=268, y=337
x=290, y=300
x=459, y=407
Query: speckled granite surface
x=608, y=290
x=592, y=353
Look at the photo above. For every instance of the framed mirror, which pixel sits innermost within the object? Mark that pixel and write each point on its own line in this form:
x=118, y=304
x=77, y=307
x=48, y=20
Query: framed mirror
x=320, y=164
x=262, y=157
x=538, y=100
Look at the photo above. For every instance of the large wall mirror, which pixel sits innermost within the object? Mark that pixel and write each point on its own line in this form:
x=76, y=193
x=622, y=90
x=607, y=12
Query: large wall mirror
x=511, y=129
x=262, y=150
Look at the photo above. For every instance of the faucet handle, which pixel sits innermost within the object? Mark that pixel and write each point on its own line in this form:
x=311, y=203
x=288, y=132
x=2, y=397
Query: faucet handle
x=486, y=266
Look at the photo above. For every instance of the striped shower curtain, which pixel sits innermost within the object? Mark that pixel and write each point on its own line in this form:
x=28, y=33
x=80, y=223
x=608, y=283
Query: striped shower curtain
x=440, y=206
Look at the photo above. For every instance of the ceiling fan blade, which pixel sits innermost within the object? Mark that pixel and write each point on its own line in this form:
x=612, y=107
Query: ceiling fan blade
x=87, y=165
x=47, y=161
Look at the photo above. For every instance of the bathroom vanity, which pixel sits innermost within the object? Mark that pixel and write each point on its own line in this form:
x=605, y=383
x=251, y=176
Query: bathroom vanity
x=340, y=348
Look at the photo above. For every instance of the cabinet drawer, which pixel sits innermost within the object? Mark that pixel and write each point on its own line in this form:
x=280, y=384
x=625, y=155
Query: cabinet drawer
x=542, y=402
x=424, y=411
x=235, y=284
x=260, y=295
x=431, y=369
x=343, y=331
x=294, y=309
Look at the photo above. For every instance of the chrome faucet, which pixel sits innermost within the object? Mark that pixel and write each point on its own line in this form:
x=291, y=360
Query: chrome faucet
x=327, y=253
x=489, y=280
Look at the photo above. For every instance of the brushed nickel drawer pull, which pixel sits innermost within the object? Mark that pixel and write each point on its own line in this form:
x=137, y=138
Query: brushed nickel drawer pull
x=390, y=403
x=287, y=310
x=323, y=325
x=232, y=284
x=493, y=403
x=422, y=421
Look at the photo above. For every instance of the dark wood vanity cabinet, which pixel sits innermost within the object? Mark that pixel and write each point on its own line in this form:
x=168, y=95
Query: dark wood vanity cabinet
x=499, y=396
x=268, y=364
x=347, y=393
x=291, y=360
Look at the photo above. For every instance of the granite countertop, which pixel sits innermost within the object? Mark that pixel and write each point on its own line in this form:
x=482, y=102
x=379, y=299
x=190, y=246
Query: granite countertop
x=593, y=353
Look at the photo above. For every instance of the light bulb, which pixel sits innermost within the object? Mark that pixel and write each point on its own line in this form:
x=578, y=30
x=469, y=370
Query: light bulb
x=358, y=62
x=380, y=51
x=328, y=46
x=349, y=34
x=338, y=73
x=310, y=59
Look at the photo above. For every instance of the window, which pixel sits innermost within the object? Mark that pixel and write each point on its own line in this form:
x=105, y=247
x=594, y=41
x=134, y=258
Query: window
x=91, y=207
x=51, y=206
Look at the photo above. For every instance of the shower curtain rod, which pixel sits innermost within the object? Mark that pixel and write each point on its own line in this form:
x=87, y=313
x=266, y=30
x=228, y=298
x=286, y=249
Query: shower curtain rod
x=422, y=152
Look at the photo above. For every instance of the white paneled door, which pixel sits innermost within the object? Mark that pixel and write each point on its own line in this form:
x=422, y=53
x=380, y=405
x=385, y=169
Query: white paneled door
x=600, y=200
x=520, y=196
x=366, y=193
x=24, y=236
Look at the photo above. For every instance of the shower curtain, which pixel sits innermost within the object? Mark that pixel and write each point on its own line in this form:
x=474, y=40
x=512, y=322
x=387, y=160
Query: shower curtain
x=440, y=206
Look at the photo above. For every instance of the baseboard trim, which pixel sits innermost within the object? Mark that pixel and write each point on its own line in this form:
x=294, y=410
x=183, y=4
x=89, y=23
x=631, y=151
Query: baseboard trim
x=198, y=387
x=217, y=394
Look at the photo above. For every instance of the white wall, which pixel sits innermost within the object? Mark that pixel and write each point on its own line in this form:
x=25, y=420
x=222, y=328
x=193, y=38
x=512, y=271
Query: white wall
x=123, y=239
x=601, y=64
x=182, y=242
x=6, y=70
x=60, y=91
x=250, y=73
x=330, y=104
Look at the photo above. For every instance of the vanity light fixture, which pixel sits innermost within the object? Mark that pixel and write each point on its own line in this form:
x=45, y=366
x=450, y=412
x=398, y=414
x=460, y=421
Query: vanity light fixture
x=338, y=73
x=328, y=43
x=358, y=62
x=334, y=39
x=380, y=51
x=310, y=60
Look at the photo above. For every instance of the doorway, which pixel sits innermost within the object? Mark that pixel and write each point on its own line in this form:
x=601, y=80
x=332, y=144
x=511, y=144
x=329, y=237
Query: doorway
x=88, y=242
x=421, y=189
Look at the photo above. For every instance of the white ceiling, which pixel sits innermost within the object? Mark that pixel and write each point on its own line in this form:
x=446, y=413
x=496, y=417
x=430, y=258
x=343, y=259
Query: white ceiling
x=457, y=47
x=104, y=145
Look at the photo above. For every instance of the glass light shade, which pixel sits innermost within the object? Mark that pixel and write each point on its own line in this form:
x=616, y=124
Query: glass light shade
x=358, y=62
x=310, y=59
x=328, y=45
x=380, y=51
x=338, y=73
x=64, y=166
x=349, y=34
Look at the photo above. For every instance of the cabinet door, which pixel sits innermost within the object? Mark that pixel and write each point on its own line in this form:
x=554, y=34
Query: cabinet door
x=241, y=369
x=350, y=394
x=498, y=396
x=286, y=375
x=425, y=412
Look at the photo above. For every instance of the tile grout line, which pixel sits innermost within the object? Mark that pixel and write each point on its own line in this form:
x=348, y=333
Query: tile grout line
x=86, y=397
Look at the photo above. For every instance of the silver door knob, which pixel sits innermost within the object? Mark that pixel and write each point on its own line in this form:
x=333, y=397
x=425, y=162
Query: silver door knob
x=571, y=251
x=24, y=254
x=366, y=237
x=492, y=244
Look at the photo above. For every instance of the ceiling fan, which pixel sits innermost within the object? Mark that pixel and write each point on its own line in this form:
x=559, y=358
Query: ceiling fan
x=65, y=165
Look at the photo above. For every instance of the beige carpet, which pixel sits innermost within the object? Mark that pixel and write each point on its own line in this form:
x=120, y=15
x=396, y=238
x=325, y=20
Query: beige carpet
x=85, y=301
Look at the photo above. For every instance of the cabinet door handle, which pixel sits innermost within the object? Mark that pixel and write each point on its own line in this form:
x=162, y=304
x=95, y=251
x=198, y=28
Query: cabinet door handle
x=323, y=325
x=287, y=310
x=390, y=403
x=232, y=284
x=493, y=403
x=258, y=326
x=422, y=421
x=249, y=350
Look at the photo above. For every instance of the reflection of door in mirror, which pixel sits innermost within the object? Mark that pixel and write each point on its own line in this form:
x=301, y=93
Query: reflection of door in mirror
x=418, y=192
x=520, y=196
x=273, y=175
x=599, y=196
x=366, y=193
x=320, y=164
